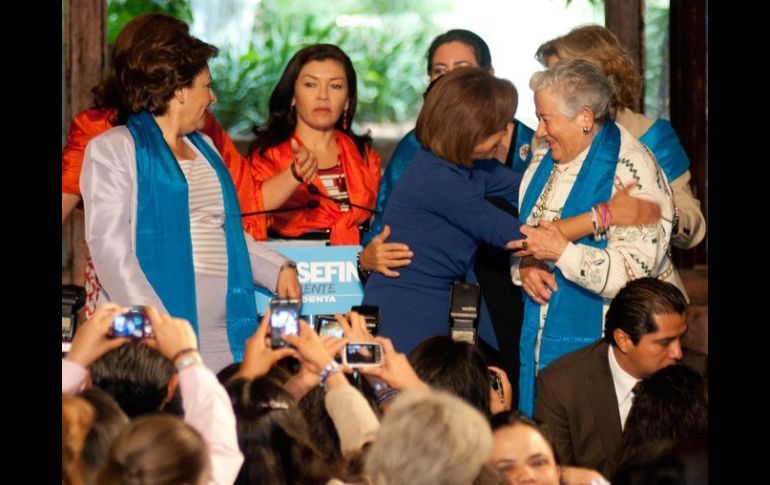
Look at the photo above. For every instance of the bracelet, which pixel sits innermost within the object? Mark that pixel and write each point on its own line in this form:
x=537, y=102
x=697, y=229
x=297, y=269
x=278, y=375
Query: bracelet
x=182, y=352
x=360, y=268
x=294, y=173
x=675, y=222
x=288, y=264
x=188, y=360
x=328, y=371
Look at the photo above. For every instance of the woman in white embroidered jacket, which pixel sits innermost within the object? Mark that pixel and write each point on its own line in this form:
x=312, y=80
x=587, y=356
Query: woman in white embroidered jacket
x=590, y=157
x=163, y=223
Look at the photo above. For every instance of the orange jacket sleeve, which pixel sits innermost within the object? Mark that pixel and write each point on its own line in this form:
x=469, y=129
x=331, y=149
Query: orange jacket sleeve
x=84, y=126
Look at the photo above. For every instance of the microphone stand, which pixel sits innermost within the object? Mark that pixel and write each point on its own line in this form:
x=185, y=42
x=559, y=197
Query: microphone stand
x=314, y=190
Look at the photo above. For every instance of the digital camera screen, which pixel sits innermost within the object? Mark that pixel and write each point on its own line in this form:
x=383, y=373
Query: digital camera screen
x=330, y=326
x=132, y=324
x=283, y=321
x=363, y=354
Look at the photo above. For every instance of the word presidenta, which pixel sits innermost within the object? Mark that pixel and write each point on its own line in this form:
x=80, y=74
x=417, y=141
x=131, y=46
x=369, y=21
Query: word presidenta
x=319, y=280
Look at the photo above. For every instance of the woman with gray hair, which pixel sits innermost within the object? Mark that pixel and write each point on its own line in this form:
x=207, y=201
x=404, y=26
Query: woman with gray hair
x=570, y=285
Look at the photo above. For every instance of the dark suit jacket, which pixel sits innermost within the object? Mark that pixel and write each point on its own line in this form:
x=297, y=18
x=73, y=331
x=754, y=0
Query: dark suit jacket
x=577, y=403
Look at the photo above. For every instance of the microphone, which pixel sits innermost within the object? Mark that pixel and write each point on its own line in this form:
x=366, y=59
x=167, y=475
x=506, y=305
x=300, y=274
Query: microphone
x=314, y=190
x=311, y=204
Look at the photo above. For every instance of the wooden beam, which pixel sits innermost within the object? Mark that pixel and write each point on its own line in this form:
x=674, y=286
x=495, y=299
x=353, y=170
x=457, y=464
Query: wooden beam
x=85, y=59
x=625, y=19
x=689, y=104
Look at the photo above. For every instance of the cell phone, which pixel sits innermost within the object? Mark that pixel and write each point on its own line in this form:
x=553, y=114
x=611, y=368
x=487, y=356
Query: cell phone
x=284, y=320
x=362, y=354
x=372, y=315
x=133, y=323
x=328, y=325
x=494, y=379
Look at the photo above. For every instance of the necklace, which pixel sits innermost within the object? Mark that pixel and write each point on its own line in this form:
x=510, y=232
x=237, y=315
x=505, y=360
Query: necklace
x=545, y=195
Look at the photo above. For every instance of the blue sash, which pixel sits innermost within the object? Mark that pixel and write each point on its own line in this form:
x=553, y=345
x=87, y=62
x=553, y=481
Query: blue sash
x=661, y=139
x=521, y=146
x=163, y=241
x=574, y=314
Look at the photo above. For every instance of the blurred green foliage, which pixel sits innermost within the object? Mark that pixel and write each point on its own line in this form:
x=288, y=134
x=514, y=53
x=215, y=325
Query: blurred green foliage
x=119, y=12
x=656, y=72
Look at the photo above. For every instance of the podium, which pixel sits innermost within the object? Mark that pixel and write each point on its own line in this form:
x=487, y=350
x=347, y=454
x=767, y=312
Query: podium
x=328, y=276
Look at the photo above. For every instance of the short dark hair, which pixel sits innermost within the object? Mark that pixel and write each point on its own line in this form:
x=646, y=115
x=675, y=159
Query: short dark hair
x=135, y=375
x=464, y=107
x=109, y=421
x=283, y=119
x=141, y=26
x=635, y=307
x=514, y=417
x=668, y=405
x=480, y=48
x=457, y=367
x=158, y=64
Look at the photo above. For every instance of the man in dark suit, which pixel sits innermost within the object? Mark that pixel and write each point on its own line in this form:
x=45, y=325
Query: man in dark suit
x=584, y=397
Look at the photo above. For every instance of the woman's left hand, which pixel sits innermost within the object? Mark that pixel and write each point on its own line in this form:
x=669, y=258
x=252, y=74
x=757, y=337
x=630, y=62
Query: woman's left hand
x=288, y=284
x=545, y=242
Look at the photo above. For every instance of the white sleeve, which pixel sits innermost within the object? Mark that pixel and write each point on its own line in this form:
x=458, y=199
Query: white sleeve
x=265, y=263
x=632, y=252
x=692, y=224
x=108, y=185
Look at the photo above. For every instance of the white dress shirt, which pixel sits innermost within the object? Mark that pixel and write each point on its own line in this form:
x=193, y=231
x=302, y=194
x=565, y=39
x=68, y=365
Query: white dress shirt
x=624, y=386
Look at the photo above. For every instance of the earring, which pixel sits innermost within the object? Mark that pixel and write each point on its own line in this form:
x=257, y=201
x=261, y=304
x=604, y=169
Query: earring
x=345, y=120
x=586, y=130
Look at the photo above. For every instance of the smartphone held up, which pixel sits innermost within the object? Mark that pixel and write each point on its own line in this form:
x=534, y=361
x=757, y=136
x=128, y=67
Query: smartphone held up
x=284, y=320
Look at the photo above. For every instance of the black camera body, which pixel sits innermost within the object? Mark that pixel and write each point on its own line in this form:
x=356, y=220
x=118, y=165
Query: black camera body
x=464, y=311
x=73, y=297
x=372, y=315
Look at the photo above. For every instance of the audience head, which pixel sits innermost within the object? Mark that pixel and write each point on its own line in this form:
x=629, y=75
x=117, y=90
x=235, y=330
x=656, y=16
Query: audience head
x=662, y=461
x=521, y=452
x=109, y=420
x=137, y=376
x=273, y=436
x=77, y=417
x=465, y=115
x=457, y=48
x=599, y=46
x=157, y=450
x=668, y=405
x=453, y=366
x=644, y=324
x=428, y=438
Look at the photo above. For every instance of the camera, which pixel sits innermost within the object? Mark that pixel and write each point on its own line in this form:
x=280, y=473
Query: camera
x=284, y=320
x=362, y=354
x=372, y=315
x=72, y=299
x=133, y=323
x=464, y=311
x=328, y=325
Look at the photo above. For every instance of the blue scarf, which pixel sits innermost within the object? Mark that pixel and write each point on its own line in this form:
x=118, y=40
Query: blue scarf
x=521, y=146
x=574, y=314
x=661, y=139
x=163, y=241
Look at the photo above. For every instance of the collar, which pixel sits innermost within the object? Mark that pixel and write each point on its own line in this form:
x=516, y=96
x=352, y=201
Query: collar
x=623, y=381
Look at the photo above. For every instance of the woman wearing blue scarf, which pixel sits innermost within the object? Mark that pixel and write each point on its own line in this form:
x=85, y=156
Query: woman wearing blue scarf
x=598, y=45
x=162, y=218
x=590, y=157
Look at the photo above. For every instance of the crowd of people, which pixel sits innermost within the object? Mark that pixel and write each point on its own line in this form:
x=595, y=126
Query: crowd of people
x=567, y=228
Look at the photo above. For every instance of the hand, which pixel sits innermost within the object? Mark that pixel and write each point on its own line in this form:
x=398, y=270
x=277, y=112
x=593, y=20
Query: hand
x=382, y=257
x=288, y=284
x=171, y=334
x=395, y=369
x=501, y=152
x=91, y=340
x=311, y=348
x=305, y=161
x=536, y=280
x=354, y=329
x=494, y=396
x=258, y=355
x=626, y=210
x=545, y=242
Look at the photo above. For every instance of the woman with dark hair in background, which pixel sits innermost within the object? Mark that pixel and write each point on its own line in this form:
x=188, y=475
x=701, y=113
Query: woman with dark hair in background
x=313, y=106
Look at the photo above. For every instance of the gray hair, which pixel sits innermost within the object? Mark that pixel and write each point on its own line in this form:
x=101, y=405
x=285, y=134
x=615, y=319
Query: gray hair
x=427, y=439
x=580, y=84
